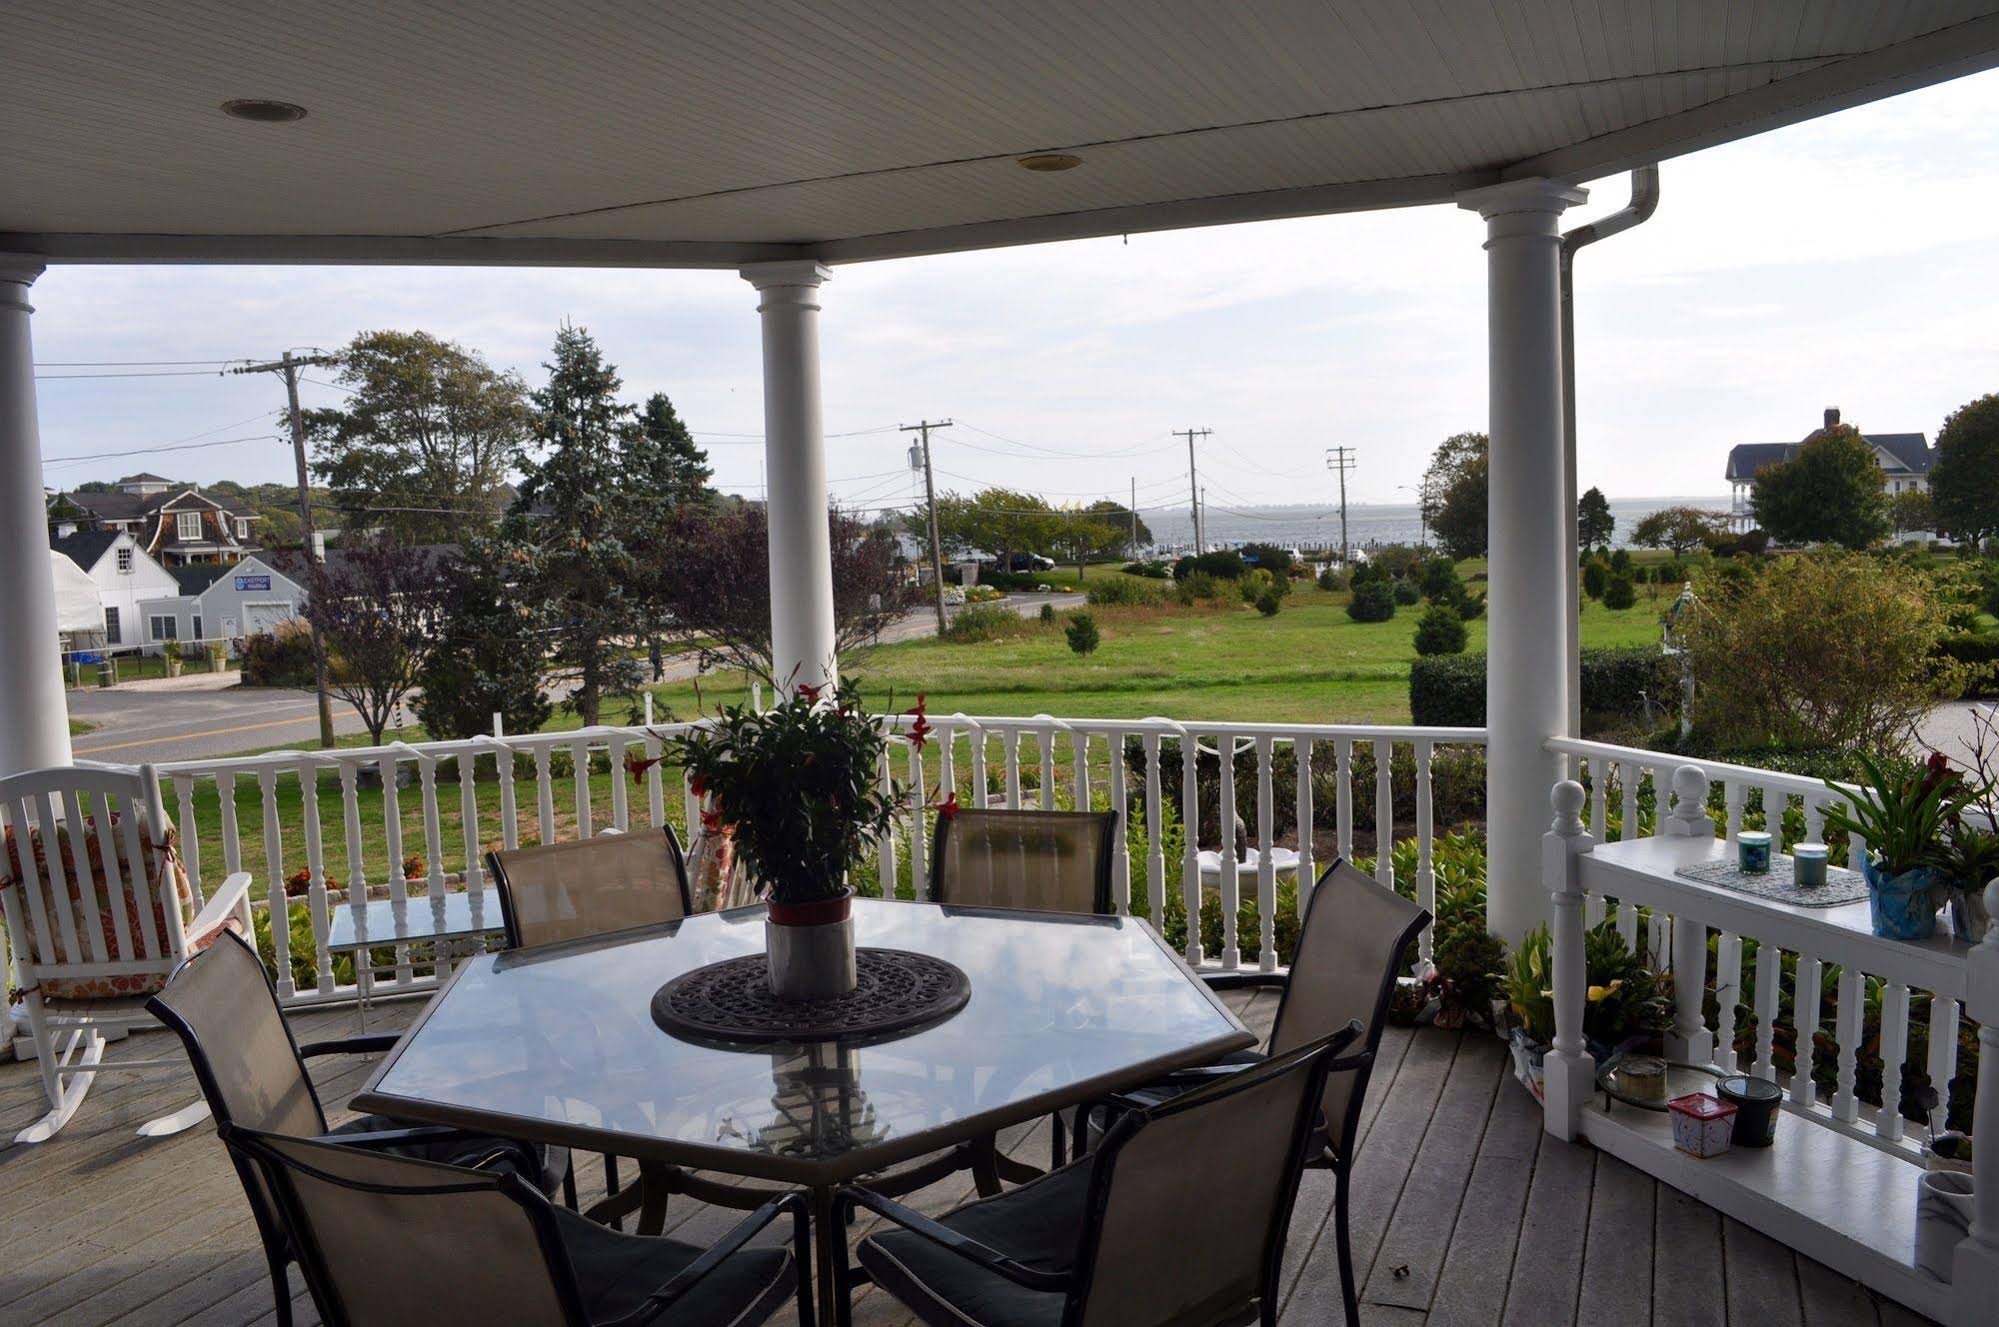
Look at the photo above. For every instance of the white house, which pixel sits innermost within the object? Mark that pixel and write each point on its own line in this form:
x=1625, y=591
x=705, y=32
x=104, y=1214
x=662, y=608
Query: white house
x=127, y=578
x=1906, y=460
x=216, y=601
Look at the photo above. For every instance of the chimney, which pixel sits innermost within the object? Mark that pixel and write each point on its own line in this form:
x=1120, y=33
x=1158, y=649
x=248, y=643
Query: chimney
x=1831, y=417
x=319, y=539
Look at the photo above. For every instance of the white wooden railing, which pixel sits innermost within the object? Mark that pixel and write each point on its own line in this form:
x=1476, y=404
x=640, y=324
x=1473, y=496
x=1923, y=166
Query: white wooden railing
x=1617, y=780
x=513, y=787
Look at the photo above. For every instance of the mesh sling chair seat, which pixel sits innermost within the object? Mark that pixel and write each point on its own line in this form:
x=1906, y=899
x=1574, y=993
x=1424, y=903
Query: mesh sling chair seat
x=573, y=891
x=1350, y=953
x=1041, y=861
x=252, y=1074
x=388, y=1240
x=1106, y=1240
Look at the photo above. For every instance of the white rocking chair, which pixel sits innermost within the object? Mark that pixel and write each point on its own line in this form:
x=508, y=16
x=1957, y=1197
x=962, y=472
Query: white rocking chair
x=99, y=914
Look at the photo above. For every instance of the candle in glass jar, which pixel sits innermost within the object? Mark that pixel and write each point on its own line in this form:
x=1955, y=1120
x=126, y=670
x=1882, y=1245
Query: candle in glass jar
x=1808, y=862
x=1752, y=851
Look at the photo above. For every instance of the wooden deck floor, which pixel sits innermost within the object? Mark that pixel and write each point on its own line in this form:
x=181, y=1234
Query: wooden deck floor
x=1465, y=1214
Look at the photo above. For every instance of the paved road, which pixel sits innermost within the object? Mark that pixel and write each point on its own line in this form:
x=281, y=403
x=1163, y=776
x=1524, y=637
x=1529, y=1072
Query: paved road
x=133, y=726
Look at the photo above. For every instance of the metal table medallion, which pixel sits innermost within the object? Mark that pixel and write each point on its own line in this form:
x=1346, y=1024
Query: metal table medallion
x=731, y=1001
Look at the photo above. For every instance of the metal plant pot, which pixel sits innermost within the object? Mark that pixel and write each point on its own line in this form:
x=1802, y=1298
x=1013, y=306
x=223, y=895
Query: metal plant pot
x=811, y=948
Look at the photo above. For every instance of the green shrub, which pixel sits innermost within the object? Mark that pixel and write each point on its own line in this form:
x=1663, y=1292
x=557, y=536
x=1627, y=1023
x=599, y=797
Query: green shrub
x=1157, y=571
x=1439, y=579
x=1047, y=614
x=1223, y=564
x=1440, y=631
x=1123, y=591
x=1373, y=601
x=1024, y=581
x=1083, y=634
x=1253, y=583
x=1620, y=561
x=1396, y=560
x=1596, y=578
x=1199, y=585
x=1273, y=559
x=1364, y=573
x=1979, y=653
x=1448, y=691
x=1620, y=593
x=1333, y=580
x=279, y=658
x=1270, y=600
x=1407, y=593
x=983, y=622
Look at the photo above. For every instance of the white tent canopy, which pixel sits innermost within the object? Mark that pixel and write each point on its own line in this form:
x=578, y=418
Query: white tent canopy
x=77, y=605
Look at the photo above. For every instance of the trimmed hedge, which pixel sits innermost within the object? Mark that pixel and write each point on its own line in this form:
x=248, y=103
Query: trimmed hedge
x=1448, y=691
x=1979, y=653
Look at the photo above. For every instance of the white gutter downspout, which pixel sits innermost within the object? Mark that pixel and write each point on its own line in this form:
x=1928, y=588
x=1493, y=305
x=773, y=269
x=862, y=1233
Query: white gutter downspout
x=1644, y=201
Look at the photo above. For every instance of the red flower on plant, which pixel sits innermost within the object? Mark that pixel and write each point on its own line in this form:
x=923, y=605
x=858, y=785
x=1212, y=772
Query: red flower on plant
x=948, y=807
x=697, y=787
x=637, y=765
x=919, y=732
x=711, y=821
x=810, y=692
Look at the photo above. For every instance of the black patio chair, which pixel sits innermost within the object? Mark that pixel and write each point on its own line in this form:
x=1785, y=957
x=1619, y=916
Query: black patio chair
x=386, y=1241
x=1350, y=955
x=252, y=1073
x=1178, y=1217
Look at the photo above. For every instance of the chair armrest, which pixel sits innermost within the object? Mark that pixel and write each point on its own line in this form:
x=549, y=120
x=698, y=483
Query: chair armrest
x=219, y=906
x=374, y=1044
x=964, y=1246
x=522, y=1153
x=717, y=1253
x=1237, y=981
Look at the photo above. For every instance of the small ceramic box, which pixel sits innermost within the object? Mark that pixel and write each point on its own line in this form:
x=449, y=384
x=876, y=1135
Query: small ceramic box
x=1703, y=1124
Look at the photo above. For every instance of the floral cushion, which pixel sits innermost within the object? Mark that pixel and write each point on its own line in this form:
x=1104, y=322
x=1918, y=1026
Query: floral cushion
x=160, y=857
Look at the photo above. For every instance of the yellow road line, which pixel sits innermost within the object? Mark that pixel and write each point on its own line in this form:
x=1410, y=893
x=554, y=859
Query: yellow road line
x=212, y=732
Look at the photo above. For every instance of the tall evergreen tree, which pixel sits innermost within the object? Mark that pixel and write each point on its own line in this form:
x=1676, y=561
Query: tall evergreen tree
x=662, y=464
x=1594, y=523
x=572, y=510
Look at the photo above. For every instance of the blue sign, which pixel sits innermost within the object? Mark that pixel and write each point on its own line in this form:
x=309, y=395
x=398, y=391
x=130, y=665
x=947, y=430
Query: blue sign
x=253, y=582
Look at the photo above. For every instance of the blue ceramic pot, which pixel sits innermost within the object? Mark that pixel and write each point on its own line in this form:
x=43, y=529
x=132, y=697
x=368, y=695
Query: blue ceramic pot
x=1903, y=906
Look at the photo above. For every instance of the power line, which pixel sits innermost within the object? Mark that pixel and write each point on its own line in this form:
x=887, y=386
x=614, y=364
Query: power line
x=148, y=451
x=132, y=363
x=142, y=373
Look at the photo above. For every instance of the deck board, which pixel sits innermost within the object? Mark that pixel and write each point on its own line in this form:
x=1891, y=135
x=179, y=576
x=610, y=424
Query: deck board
x=1495, y=1222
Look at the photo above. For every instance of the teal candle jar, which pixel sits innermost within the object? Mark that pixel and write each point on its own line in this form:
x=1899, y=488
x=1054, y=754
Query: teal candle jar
x=1752, y=851
x=1808, y=863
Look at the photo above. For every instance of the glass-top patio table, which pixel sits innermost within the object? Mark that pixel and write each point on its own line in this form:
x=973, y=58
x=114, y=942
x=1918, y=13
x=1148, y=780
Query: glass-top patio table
x=558, y=1045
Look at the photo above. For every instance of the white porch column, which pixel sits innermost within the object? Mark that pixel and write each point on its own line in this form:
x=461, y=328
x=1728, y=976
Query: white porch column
x=801, y=554
x=34, y=718
x=1526, y=687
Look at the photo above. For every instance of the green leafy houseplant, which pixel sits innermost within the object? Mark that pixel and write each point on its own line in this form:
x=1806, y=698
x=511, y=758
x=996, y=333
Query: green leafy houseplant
x=1902, y=818
x=797, y=785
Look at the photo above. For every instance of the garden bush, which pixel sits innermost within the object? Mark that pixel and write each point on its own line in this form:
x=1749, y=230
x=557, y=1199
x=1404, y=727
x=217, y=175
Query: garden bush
x=1083, y=634
x=280, y=658
x=1979, y=654
x=1620, y=560
x=1124, y=592
x=1440, y=631
x=1223, y=564
x=1448, y=691
x=1396, y=560
x=1373, y=601
x=1439, y=580
x=1157, y=571
x=983, y=622
x=1273, y=559
x=1407, y=593
x=1333, y=580
x=1047, y=615
x=1596, y=578
x=1365, y=573
x=1272, y=599
x=1200, y=585
x=1620, y=593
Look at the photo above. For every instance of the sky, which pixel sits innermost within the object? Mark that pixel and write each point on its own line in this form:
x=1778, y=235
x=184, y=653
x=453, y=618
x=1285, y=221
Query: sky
x=1849, y=261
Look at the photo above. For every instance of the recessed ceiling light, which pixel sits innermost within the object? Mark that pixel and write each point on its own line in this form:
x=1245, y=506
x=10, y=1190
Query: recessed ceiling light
x=1049, y=161
x=264, y=112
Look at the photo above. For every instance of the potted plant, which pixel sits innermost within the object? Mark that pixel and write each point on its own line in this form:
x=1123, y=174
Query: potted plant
x=171, y=653
x=797, y=786
x=1901, y=818
x=1627, y=1004
x=1968, y=862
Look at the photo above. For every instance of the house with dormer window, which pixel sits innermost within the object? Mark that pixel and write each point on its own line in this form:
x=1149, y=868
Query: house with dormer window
x=177, y=524
x=1906, y=460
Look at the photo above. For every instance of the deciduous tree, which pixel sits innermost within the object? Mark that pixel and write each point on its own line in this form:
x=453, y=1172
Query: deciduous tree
x=1680, y=529
x=1964, y=483
x=1828, y=493
x=1454, y=494
x=376, y=605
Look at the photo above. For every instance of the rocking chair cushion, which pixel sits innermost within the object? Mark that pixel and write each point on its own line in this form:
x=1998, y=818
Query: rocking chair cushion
x=617, y=1272
x=160, y=855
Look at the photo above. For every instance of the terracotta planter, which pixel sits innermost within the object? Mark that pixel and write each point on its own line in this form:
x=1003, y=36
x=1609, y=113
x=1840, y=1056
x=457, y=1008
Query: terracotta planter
x=811, y=948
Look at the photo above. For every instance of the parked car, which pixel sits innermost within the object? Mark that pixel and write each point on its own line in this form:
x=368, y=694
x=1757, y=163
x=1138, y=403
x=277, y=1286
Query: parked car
x=1028, y=562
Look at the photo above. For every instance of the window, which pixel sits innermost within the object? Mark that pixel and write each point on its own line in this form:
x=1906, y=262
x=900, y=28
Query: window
x=197, y=627
x=187, y=524
x=242, y=528
x=111, y=633
x=165, y=628
x=125, y=562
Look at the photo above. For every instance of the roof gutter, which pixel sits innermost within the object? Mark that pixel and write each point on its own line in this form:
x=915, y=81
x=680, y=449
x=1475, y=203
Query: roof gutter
x=1644, y=201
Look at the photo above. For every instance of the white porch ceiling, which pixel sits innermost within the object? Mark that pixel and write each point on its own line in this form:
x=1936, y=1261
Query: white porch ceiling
x=620, y=132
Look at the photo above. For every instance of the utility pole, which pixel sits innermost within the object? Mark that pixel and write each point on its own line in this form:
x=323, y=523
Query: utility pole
x=930, y=495
x=1131, y=553
x=289, y=365
x=1342, y=460
x=1193, y=484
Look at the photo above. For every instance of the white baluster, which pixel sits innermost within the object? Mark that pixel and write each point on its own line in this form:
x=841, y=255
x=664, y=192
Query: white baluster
x=544, y=794
x=315, y=863
x=885, y=844
x=1190, y=824
x=357, y=874
x=1690, y=1040
x=1894, y=1054
x=1852, y=1002
x=1570, y=1073
x=1426, y=873
x=1155, y=850
x=433, y=844
x=1943, y=1052
x=190, y=842
x=1814, y=822
x=232, y=839
x=1044, y=737
x=1769, y=979
x=399, y=900
x=1727, y=995
x=919, y=841
x=1266, y=868
x=510, y=826
x=621, y=811
x=1774, y=803
x=1805, y=1001
x=1733, y=797
x=1384, y=812
x=1306, y=875
x=579, y=775
x=1079, y=770
x=656, y=785
x=281, y=940
x=1231, y=952
x=979, y=795
x=1010, y=743
x=1975, y=1270
x=1120, y=849
x=1343, y=796
x=1599, y=768
x=468, y=824
x=1629, y=776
